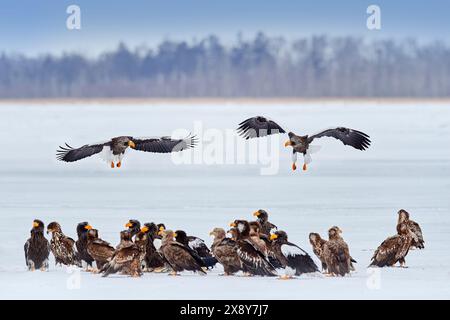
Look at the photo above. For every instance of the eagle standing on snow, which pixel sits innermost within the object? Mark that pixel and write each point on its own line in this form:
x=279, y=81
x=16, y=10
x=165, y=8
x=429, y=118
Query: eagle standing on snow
x=260, y=126
x=336, y=254
x=198, y=246
x=417, y=241
x=99, y=249
x=81, y=244
x=114, y=150
x=225, y=251
x=37, y=248
x=63, y=247
x=263, y=218
x=393, y=249
x=294, y=259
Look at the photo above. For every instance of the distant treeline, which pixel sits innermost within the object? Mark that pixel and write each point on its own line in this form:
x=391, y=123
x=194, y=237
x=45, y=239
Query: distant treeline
x=318, y=66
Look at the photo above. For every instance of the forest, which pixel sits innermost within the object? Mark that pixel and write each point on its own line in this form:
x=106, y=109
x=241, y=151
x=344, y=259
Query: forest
x=263, y=66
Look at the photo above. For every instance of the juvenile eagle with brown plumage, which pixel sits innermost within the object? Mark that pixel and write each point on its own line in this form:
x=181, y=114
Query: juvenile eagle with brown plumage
x=225, y=251
x=260, y=126
x=336, y=254
x=63, y=247
x=100, y=250
x=393, y=249
x=113, y=151
x=37, y=248
x=318, y=244
x=417, y=240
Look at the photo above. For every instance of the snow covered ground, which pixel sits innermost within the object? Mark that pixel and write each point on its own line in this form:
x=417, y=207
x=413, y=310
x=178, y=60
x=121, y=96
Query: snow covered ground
x=408, y=166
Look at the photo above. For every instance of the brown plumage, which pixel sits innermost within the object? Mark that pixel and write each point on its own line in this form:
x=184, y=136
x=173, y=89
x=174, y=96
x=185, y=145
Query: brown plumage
x=179, y=256
x=81, y=243
x=393, y=249
x=126, y=259
x=37, y=248
x=262, y=241
x=225, y=251
x=417, y=240
x=253, y=260
x=318, y=243
x=100, y=250
x=336, y=254
x=263, y=218
x=63, y=247
x=294, y=259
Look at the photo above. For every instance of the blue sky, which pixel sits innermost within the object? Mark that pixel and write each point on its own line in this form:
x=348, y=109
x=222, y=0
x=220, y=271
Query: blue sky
x=38, y=26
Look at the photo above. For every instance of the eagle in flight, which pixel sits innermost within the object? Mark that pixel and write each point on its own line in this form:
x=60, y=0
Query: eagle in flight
x=260, y=126
x=114, y=150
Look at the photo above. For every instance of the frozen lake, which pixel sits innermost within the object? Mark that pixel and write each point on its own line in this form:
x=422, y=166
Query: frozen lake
x=407, y=166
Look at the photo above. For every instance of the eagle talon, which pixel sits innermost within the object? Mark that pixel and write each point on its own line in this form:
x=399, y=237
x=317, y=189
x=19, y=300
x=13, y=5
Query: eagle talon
x=112, y=165
x=119, y=164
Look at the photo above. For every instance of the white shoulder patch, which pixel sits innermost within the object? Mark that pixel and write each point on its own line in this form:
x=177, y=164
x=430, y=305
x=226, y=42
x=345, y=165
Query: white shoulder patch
x=288, y=250
x=197, y=242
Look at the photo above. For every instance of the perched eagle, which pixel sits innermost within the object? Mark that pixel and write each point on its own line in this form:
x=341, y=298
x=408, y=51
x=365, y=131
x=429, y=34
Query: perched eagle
x=81, y=244
x=393, y=249
x=153, y=261
x=254, y=261
x=318, y=244
x=336, y=254
x=99, y=249
x=294, y=259
x=37, y=248
x=417, y=241
x=199, y=247
x=63, y=247
x=113, y=151
x=263, y=218
x=134, y=226
x=225, y=251
x=260, y=126
x=126, y=259
x=179, y=256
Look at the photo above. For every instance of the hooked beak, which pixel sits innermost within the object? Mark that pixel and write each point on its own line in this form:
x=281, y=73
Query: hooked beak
x=129, y=225
x=88, y=227
x=131, y=144
x=35, y=224
x=160, y=232
x=288, y=143
x=232, y=224
x=256, y=213
x=211, y=233
x=174, y=235
x=273, y=236
x=144, y=229
x=161, y=228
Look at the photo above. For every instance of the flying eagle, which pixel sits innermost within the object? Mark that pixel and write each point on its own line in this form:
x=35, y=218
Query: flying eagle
x=294, y=259
x=260, y=126
x=225, y=251
x=63, y=247
x=37, y=248
x=126, y=259
x=254, y=261
x=336, y=254
x=99, y=249
x=179, y=256
x=393, y=249
x=198, y=246
x=81, y=244
x=263, y=218
x=417, y=241
x=113, y=151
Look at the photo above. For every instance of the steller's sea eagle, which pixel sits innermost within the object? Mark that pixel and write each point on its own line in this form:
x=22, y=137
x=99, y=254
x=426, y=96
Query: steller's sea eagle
x=114, y=150
x=260, y=126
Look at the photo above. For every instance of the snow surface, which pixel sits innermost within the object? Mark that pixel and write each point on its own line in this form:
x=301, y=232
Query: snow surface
x=408, y=166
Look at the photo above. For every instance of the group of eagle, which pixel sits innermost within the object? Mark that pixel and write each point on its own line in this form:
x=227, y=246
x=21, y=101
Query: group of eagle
x=252, y=247
x=114, y=150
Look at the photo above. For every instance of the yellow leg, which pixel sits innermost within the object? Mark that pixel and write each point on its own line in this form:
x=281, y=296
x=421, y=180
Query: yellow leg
x=119, y=164
x=294, y=167
x=304, y=167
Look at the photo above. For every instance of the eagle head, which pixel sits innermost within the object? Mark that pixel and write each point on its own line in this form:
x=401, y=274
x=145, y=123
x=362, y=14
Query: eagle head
x=38, y=226
x=53, y=227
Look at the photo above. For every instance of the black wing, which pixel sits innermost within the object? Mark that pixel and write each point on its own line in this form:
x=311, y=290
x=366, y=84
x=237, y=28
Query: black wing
x=164, y=144
x=253, y=260
x=69, y=154
x=258, y=127
x=298, y=258
x=25, y=248
x=357, y=139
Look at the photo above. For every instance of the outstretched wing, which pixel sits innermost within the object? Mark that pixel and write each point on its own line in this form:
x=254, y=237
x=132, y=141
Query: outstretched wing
x=164, y=144
x=357, y=139
x=69, y=154
x=258, y=127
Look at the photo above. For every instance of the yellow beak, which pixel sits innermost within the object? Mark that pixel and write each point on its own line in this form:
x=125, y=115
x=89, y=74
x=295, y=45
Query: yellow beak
x=160, y=232
x=161, y=228
x=273, y=236
x=256, y=213
x=211, y=233
x=288, y=143
x=144, y=229
x=232, y=224
x=88, y=227
x=131, y=144
x=35, y=224
x=129, y=225
x=174, y=235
